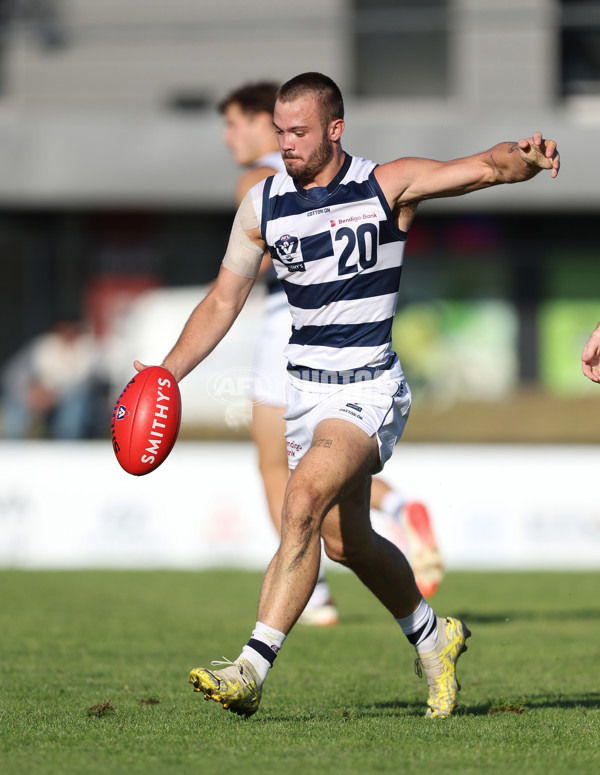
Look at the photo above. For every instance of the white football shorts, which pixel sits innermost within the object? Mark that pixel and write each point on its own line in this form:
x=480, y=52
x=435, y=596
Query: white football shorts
x=379, y=406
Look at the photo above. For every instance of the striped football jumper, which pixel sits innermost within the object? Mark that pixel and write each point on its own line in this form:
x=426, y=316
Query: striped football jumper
x=338, y=254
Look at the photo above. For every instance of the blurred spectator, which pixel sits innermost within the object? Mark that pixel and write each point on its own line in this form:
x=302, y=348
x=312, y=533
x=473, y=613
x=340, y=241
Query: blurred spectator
x=49, y=386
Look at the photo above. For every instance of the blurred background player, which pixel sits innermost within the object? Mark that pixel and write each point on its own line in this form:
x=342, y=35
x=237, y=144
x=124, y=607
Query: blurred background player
x=49, y=386
x=249, y=134
x=590, y=357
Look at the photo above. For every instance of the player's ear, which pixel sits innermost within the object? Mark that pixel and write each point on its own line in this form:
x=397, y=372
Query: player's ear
x=336, y=127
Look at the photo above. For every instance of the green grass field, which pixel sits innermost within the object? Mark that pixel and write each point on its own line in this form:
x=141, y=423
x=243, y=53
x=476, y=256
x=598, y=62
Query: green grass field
x=94, y=670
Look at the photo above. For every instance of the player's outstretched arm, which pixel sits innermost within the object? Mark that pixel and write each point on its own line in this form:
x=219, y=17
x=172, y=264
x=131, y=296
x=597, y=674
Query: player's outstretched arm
x=208, y=323
x=411, y=180
x=590, y=358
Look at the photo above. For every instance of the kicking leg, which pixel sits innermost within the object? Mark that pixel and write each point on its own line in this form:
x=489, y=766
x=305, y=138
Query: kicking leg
x=333, y=466
x=268, y=433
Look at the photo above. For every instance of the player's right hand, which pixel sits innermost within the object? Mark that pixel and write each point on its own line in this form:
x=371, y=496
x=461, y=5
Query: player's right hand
x=540, y=152
x=590, y=357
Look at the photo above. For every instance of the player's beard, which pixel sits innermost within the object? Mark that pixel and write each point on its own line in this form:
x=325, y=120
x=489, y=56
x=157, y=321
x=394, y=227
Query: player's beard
x=314, y=164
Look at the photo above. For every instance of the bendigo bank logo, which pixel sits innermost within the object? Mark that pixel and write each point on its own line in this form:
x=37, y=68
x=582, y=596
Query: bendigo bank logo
x=288, y=252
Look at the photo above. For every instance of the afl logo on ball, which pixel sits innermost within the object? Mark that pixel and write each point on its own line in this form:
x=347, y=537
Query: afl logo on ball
x=122, y=412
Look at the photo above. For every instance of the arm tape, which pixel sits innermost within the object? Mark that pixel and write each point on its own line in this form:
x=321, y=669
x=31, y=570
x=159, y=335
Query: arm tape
x=242, y=256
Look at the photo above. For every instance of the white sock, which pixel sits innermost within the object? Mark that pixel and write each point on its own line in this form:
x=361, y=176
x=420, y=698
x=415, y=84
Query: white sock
x=262, y=648
x=392, y=503
x=420, y=627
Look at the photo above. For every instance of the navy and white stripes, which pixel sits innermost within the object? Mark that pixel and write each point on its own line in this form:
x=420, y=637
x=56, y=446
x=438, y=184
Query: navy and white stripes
x=339, y=258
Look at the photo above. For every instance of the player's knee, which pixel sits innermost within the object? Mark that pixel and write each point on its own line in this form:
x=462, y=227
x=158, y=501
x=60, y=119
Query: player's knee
x=302, y=512
x=305, y=497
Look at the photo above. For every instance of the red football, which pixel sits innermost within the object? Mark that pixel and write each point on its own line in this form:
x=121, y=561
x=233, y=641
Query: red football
x=145, y=420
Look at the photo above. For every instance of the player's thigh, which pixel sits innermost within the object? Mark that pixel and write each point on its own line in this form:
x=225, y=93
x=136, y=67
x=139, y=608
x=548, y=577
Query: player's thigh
x=268, y=433
x=340, y=459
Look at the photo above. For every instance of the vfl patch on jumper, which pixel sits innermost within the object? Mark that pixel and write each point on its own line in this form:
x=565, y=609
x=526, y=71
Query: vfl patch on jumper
x=122, y=412
x=288, y=252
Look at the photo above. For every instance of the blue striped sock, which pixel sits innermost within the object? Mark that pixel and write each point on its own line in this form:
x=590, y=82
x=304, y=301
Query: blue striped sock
x=262, y=648
x=420, y=627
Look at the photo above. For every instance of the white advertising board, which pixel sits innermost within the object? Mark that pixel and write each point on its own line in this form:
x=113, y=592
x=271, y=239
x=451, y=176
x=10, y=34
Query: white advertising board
x=69, y=505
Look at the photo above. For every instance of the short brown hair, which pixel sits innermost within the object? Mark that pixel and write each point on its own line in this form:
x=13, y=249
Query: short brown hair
x=322, y=87
x=252, y=98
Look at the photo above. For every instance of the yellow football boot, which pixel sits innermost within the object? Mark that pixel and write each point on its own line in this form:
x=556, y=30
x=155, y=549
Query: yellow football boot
x=237, y=686
x=439, y=666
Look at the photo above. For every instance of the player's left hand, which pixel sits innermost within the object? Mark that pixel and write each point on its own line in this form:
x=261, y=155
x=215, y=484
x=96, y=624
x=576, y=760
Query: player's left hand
x=540, y=152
